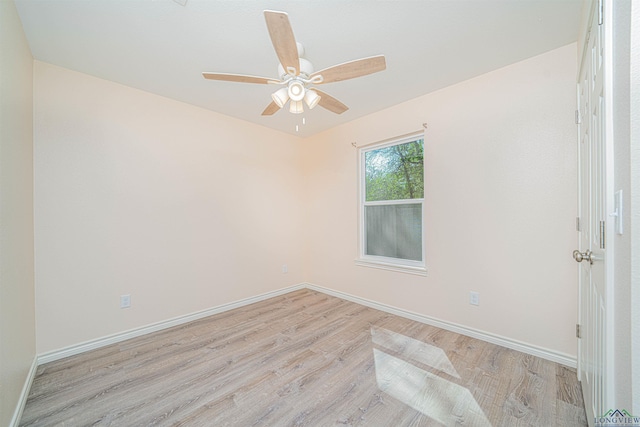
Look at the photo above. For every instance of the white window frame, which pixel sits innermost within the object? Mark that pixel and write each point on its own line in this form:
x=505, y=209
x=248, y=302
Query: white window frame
x=382, y=262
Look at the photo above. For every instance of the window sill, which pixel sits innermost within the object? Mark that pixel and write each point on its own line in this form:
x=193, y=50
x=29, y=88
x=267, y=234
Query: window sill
x=409, y=269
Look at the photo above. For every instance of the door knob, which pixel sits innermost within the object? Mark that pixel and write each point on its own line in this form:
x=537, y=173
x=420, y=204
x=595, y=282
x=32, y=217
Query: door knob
x=581, y=256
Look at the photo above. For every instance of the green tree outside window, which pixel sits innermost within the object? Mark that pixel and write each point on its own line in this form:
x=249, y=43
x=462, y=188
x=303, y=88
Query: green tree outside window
x=395, y=172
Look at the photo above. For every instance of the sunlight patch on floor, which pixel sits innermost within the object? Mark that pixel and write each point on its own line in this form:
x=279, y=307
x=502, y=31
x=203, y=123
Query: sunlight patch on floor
x=434, y=396
x=415, y=350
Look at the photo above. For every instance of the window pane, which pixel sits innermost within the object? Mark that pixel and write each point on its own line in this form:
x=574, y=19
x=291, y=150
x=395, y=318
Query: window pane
x=394, y=231
x=396, y=172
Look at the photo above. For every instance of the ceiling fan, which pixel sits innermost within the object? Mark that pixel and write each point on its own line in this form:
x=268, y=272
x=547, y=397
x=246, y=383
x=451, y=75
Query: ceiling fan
x=296, y=73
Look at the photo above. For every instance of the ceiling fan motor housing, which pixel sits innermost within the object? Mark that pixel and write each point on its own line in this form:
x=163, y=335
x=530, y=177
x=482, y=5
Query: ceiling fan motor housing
x=306, y=68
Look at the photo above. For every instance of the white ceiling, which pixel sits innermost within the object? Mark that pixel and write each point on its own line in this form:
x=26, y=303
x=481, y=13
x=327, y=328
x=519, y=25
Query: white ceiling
x=162, y=47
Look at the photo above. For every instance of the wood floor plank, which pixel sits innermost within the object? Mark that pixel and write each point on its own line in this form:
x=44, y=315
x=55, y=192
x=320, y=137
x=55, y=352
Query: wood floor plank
x=304, y=359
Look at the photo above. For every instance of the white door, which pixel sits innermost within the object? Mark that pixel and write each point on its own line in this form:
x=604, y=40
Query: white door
x=594, y=348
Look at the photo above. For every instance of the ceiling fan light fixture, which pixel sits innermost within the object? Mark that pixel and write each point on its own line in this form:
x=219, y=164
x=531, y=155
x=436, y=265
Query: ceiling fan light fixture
x=280, y=97
x=296, y=107
x=312, y=98
x=296, y=90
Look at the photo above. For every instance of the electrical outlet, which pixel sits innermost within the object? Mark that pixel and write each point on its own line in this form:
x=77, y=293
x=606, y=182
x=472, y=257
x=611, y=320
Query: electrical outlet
x=285, y=269
x=125, y=301
x=474, y=298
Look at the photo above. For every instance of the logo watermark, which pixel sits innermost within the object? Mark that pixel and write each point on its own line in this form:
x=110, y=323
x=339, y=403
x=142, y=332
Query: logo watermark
x=617, y=418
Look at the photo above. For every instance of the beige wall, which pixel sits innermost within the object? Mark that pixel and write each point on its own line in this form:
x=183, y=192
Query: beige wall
x=182, y=208
x=500, y=203
x=17, y=322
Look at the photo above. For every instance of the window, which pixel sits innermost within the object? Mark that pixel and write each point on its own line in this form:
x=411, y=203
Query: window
x=391, y=205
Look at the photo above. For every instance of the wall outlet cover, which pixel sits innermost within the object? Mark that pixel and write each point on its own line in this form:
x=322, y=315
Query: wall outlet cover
x=474, y=298
x=125, y=301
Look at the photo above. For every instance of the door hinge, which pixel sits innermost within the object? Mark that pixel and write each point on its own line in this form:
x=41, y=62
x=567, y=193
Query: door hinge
x=578, y=331
x=577, y=223
x=600, y=12
x=602, y=236
x=578, y=118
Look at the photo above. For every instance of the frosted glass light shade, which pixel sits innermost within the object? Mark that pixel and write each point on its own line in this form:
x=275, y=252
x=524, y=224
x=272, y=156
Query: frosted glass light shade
x=312, y=98
x=296, y=90
x=281, y=96
x=296, y=107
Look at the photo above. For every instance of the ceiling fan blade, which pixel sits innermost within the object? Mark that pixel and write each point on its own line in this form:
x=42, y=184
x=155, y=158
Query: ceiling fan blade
x=271, y=109
x=283, y=39
x=240, y=78
x=352, y=69
x=330, y=103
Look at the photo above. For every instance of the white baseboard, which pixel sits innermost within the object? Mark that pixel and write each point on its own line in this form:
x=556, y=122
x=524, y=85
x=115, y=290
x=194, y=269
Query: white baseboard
x=544, y=353
x=24, y=394
x=554, y=356
x=154, y=327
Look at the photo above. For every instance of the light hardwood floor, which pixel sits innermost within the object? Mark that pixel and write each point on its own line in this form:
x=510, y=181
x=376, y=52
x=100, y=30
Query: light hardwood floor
x=304, y=359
